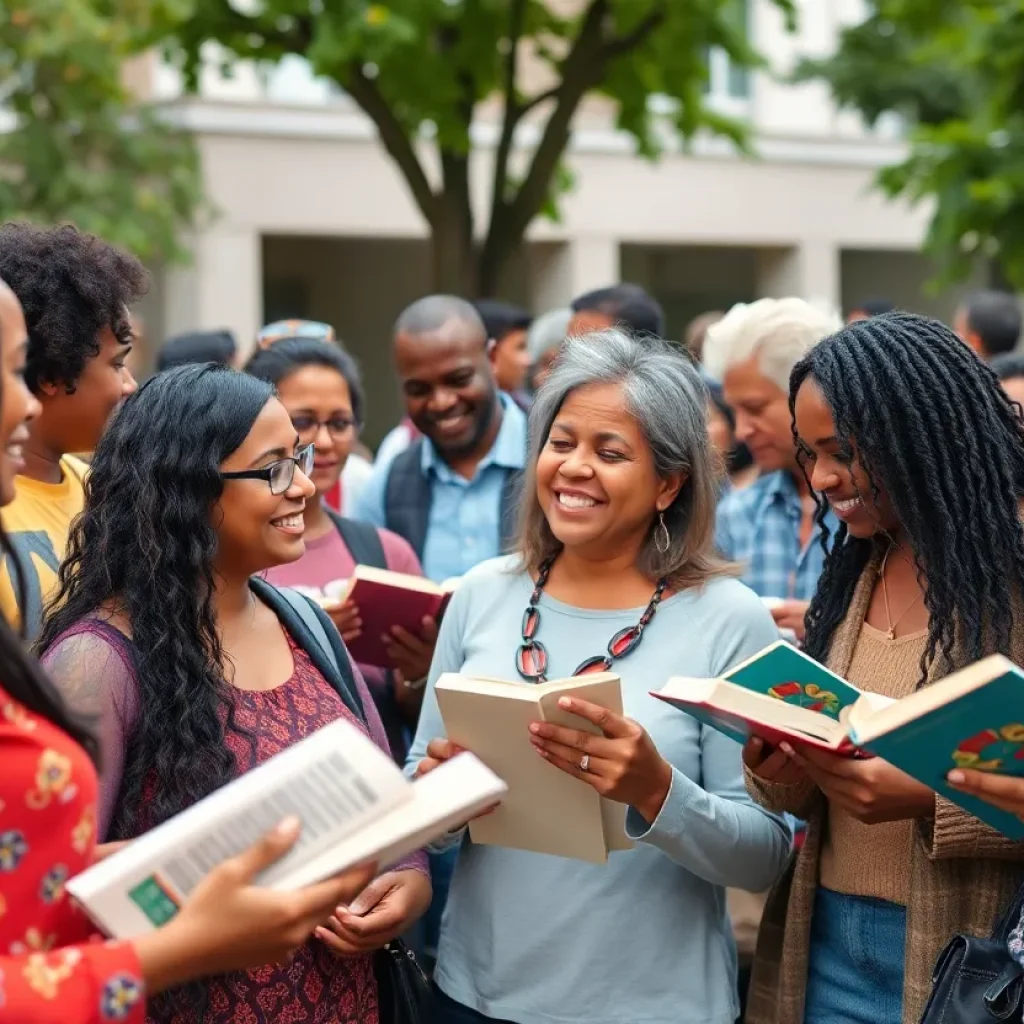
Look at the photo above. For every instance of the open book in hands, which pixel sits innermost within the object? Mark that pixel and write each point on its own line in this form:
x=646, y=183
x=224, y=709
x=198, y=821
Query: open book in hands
x=779, y=694
x=386, y=599
x=354, y=804
x=545, y=810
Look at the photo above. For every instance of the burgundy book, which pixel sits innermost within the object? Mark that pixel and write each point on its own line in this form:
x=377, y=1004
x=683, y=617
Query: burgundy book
x=386, y=599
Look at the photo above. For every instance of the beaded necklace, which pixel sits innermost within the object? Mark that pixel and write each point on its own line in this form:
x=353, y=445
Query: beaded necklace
x=532, y=656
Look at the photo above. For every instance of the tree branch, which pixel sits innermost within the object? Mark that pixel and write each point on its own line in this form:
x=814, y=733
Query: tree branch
x=536, y=101
x=581, y=69
x=394, y=138
x=631, y=40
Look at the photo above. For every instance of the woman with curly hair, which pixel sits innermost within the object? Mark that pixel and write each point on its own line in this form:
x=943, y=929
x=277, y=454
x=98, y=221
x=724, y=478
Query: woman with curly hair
x=195, y=672
x=51, y=972
x=75, y=290
x=907, y=436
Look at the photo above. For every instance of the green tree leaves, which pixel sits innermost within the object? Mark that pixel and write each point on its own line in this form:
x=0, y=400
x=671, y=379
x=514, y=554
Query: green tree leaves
x=75, y=145
x=955, y=72
x=422, y=70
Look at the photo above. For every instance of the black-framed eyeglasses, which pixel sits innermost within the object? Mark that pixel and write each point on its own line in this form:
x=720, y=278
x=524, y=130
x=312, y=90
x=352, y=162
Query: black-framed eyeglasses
x=280, y=474
x=337, y=426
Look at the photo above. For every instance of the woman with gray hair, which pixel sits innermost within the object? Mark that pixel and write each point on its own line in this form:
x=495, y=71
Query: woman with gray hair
x=616, y=569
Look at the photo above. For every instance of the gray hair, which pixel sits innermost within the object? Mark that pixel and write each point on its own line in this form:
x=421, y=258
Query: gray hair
x=664, y=393
x=780, y=331
x=548, y=331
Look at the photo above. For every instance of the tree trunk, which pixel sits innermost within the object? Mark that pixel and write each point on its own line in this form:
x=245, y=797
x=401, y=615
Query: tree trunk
x=452, y=250
x=492, y=261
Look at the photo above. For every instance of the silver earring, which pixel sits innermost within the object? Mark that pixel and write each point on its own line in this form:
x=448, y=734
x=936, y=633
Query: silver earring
x=662, y=539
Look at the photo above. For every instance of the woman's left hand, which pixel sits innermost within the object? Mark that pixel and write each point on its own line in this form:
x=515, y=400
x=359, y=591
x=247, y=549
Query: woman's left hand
x=1003, y=791
x=385, y=909
x=623, y=764
x=872, y=790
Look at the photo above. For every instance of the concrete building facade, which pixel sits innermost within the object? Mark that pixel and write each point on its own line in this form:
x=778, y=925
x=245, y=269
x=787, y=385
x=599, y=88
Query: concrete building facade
x=312, y=219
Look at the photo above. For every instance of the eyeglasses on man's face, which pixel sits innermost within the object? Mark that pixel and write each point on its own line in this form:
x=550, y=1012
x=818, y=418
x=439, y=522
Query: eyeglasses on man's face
x=280, y=474
x=307, y=427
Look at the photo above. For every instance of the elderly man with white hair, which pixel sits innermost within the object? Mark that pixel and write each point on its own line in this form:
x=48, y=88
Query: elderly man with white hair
x=770, y=526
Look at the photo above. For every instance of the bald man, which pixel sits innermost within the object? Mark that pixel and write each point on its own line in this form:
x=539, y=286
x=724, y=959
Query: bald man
x=451, y=492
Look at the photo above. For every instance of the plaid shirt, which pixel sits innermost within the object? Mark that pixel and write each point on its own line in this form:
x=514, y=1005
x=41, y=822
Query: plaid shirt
x=759, y=527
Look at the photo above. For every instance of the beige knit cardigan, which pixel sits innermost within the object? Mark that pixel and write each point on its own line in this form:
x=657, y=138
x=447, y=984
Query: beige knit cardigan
x=963, y=873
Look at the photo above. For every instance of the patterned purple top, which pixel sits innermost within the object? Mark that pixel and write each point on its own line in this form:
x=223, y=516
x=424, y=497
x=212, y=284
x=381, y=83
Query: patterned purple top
x=92, y=662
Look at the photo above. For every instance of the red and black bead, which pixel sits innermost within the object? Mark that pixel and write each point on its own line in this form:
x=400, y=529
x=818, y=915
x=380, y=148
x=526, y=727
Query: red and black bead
x=599, y=663
x=531, y=620
x=532, y=660
x=624, y=641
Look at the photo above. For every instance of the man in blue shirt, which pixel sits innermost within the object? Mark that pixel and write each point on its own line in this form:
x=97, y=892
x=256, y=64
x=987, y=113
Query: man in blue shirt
x=451, y=493
x=770, y=526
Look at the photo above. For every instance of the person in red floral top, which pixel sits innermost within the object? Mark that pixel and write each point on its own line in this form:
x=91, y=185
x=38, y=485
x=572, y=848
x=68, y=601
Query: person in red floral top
x=54, y=969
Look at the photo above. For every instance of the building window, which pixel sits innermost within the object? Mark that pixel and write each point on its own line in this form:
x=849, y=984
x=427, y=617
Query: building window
x=726, y=80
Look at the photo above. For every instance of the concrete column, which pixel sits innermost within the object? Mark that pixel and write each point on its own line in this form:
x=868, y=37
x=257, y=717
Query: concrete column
x=559, y=271
x=222, y=287
x=810, y=270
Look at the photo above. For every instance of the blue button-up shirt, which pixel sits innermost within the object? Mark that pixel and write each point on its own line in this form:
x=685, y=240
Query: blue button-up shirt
x=759, y=527
x=464, y=527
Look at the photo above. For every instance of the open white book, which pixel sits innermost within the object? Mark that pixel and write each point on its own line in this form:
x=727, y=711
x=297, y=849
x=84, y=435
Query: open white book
x=354, y=805
x=545, y=810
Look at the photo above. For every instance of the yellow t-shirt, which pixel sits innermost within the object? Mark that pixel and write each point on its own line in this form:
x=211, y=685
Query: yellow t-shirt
x=37, y=524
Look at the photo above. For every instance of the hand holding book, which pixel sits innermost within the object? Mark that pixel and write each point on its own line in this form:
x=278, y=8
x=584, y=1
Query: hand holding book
x=772, y=764
x=871, y=790
x=231, y=923
x=622, y=764
x=346, y=618
x=1002, y=791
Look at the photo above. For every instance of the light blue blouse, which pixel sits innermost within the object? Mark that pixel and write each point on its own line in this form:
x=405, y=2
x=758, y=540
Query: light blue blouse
x=646, y=938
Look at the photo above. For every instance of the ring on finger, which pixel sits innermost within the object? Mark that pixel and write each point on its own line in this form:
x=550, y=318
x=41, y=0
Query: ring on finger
x=585, y=763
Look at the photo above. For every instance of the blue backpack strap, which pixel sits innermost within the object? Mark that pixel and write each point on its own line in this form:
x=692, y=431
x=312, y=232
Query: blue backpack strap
x=317, y=636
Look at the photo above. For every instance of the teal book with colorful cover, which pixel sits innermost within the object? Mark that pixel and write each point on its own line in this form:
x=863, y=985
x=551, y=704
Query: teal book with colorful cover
x=778, y=694
x=973, y=718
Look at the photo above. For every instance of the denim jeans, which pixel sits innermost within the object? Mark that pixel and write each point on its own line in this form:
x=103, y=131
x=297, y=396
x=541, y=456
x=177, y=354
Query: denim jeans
x=855, y=974
x=451, y=1012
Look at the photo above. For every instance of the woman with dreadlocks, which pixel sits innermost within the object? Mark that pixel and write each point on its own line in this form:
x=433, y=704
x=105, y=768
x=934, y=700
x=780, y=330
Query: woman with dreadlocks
x=910, y=440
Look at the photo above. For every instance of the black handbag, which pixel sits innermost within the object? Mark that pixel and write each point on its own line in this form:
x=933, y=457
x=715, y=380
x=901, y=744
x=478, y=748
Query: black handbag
x=404, y=995
x=976, y=981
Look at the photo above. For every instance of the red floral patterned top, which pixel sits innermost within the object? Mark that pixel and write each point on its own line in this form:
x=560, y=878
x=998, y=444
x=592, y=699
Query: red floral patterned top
x=53, y=968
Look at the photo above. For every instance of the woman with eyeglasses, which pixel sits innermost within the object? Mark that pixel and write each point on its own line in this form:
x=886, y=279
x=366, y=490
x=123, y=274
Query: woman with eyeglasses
x=319, y=385
x=194, y=671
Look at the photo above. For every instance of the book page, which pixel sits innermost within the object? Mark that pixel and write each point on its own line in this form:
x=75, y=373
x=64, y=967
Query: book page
x=335, y=781
x=442, y=800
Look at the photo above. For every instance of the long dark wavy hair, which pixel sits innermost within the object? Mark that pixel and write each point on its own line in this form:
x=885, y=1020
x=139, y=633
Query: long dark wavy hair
x=145, y=545
x=935, y=431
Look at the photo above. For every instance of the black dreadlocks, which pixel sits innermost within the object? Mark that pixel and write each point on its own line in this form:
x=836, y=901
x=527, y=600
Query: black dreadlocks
x=935, y=431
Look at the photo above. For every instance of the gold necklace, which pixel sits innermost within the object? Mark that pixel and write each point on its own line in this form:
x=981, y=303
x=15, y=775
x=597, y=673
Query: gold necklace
x=891, y=631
